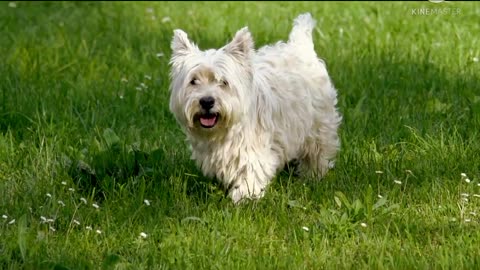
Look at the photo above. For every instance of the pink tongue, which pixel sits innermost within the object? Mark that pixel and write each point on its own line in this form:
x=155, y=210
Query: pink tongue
x=208, y=122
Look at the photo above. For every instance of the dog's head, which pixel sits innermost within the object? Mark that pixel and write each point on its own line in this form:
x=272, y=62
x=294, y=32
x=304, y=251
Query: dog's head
x=210, y=89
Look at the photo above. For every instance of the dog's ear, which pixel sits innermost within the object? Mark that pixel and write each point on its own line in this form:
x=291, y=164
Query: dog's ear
x=242, y=43
x=181, y=44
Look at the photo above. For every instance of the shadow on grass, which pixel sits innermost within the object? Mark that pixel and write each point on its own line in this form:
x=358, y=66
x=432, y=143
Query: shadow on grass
x=117, y=163
x=112, y=166
x=121, y=164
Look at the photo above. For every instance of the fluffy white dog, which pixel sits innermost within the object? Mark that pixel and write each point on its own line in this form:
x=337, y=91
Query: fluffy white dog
x=247, y=113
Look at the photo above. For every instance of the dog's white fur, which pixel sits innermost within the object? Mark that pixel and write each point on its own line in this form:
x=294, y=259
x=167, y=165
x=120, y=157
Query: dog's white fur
x=274, y=105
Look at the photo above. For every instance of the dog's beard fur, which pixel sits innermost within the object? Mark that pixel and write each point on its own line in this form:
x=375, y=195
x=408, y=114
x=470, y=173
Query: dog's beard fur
x=247, y=113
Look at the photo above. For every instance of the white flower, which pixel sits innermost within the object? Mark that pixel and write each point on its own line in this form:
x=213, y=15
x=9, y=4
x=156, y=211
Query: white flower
x=147, y=202
x=98, y=231
x=160, y=55
x=49, y=195
x=363, y=224
x=143, y=85
x=121, y=96
x=95, y=205
x=64, y=183
x=149, y=10
x=305, y=228
x=11, y=221
x=71, y=189
x=51, y=228
x=4, y=216
x=50, y=220
x=475, y=59
x=378, y=172
x=478, y=184
x=464, y=199
x=166, y=19
x=398, y=182
x=83, y=200
x=379, y=196
x=473, y=213
x=12, y=4
x=124, y=80
x=467, y=180
x=463, y=175
x=44, y=219
x=464, y=195
x=61, y=203
x=476, y=195
x=143, y=235
x=148, y=77
x=88, y=228
x=76, y=222
x=138, y=88
x=467, y=220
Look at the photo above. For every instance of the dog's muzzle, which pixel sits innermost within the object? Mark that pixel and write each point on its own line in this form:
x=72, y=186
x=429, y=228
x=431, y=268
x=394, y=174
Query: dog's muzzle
x=207, y=118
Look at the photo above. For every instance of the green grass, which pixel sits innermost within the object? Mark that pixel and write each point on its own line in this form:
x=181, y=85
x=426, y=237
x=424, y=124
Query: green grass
x=74, y=127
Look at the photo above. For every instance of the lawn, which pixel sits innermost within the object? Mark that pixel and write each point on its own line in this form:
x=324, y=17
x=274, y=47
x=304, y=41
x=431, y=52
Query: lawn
x=96, y=174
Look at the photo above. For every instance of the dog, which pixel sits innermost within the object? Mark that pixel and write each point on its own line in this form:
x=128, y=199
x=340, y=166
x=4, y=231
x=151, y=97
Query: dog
x=247, y=113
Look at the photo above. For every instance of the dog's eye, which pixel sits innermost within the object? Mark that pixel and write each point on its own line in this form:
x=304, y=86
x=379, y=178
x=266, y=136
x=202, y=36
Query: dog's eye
x=224, y=83
x=194, y=81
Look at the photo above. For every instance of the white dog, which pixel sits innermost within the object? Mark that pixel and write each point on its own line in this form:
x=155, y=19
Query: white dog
x=247, y=113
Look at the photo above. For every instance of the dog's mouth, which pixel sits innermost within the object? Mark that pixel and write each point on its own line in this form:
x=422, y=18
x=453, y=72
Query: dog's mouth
x=208, y=120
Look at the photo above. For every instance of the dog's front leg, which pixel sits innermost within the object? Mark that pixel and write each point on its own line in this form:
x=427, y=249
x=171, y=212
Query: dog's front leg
x=247, y=187
x=251, y=181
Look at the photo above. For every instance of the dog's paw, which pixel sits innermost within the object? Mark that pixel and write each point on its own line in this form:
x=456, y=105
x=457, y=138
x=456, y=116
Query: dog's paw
x=240, y=193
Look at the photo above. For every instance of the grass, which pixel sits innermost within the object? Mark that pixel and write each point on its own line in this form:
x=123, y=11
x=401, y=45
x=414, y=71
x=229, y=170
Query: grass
x=84, y=120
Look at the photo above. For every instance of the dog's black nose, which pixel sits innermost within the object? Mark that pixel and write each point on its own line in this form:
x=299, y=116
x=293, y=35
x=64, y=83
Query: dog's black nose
x=207, y=102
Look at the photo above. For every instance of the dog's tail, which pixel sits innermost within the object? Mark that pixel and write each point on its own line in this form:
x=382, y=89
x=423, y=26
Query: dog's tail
x=302, y=30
